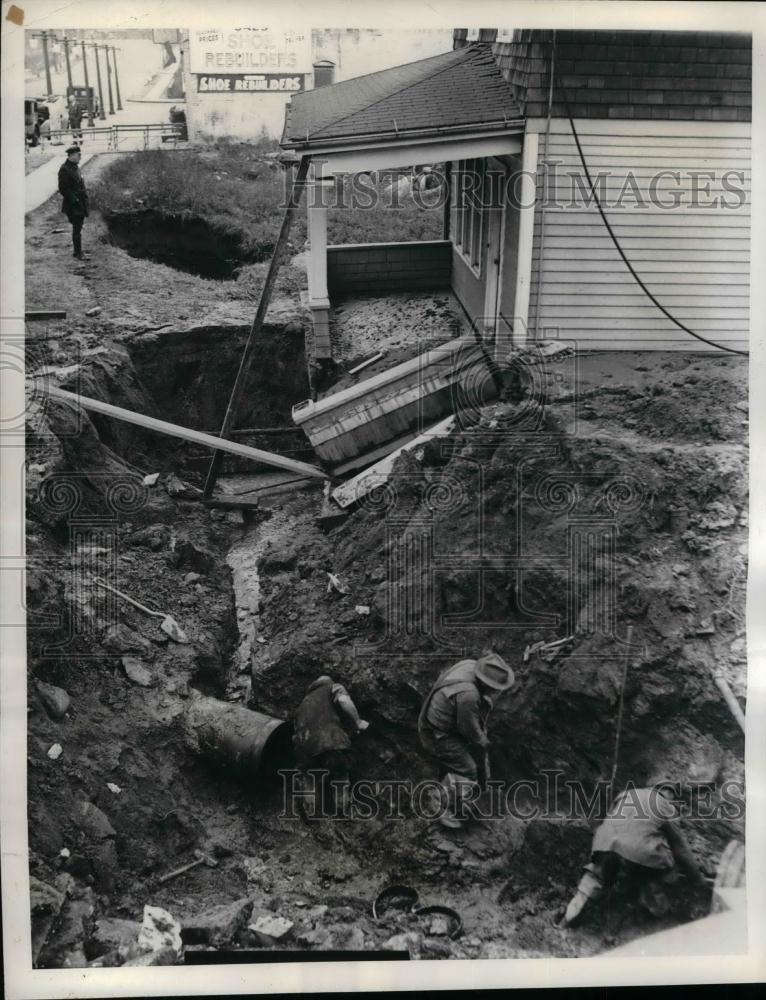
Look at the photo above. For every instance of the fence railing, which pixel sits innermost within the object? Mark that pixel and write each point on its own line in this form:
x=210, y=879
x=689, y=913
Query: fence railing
x=112, y=134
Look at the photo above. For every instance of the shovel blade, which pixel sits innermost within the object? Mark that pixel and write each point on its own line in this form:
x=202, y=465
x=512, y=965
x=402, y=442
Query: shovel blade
x=171, y=627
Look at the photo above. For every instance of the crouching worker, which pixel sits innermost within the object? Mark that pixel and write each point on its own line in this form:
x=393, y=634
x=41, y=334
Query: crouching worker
x=453, y=728
x=639, y=837
x=324, y=723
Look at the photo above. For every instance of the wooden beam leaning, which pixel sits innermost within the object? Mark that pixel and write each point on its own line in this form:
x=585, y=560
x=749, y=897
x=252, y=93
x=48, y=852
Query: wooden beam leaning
x=260, y=315
x=196, y=437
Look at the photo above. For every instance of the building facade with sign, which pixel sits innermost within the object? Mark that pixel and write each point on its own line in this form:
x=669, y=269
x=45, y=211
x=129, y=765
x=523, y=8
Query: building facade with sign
x=239, y=80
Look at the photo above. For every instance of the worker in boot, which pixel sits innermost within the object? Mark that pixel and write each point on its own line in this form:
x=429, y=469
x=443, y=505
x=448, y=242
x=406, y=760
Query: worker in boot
x=639, y=837
x=75, y=203
x=453, y=727
x=324, y=723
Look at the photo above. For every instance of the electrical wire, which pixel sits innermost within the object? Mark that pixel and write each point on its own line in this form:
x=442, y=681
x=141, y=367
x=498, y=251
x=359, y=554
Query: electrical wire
x=645, y=290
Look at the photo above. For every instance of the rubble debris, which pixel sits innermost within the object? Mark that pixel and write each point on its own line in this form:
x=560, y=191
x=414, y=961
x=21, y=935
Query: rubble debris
x=65, y=945
x=151, y=479
x=270, y=930
x=121, y=639
x=159, y=956
x=159, y=931
x=55, y=751
x=95, y=311
x=154, y=537
x=92, y=821
x=180, y=490
x=219, y=925
x=137, y=672
x=55, y=700
x=408, y=941
x=334, y=583
x=112, y=934
x=46, y=902
x=114, y=789
x=362, y=609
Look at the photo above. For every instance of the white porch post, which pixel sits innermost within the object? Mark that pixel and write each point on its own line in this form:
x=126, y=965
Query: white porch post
x=319, y=299
x=527, y=198
x=317, y=226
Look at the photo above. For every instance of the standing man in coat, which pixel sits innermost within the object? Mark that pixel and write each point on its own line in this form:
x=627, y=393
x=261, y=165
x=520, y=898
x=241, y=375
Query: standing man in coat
x=72, y=190
x=324, y=723
x=453, y=725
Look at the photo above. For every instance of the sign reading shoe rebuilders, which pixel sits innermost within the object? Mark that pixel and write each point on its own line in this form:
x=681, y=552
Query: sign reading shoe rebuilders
x=257, y=60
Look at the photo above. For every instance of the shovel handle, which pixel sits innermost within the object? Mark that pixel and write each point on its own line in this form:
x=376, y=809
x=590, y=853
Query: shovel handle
x=141, y=607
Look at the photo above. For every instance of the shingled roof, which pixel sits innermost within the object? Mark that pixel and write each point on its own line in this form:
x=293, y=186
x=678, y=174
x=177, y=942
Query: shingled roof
x=462, y=88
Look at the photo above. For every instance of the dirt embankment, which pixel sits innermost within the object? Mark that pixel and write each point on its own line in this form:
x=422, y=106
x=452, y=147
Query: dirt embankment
x=619, y=503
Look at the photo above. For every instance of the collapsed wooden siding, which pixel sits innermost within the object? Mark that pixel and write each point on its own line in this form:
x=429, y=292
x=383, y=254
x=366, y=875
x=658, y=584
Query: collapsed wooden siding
x=695, y=260
x=361, y=424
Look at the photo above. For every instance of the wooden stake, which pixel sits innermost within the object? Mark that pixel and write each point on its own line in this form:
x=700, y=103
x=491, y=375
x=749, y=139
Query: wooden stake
x=247, y=355
x=615, y=762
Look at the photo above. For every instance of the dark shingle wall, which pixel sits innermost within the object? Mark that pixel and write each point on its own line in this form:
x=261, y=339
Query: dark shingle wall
x=678, y=75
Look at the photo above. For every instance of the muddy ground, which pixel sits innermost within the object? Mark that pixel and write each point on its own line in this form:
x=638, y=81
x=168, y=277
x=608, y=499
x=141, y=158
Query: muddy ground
x=650, y=447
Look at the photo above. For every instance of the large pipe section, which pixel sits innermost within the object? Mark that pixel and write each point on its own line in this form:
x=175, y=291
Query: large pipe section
x=253, y=743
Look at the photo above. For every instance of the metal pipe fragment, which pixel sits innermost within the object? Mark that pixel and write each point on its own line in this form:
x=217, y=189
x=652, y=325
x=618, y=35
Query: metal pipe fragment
x=254, y=743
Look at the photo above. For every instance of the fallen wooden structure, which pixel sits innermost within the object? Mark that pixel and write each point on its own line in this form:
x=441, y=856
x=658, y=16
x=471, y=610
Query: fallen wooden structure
x=360, y=425
x=196, y=437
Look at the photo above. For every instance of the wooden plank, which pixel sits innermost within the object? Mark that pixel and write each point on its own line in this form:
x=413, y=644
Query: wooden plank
x=33, y=314
x=353, y=490
x=246, y=361
x=196, y=437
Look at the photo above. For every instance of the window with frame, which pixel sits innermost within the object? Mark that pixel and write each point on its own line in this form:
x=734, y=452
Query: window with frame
x=468, y=196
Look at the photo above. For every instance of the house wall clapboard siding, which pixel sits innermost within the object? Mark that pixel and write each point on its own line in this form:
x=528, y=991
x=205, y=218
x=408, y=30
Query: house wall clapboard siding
x=694, y=257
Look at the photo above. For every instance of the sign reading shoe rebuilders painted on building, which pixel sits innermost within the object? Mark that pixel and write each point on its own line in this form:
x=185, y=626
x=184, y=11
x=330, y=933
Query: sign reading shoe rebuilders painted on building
x=257, y=59
x=260, y=82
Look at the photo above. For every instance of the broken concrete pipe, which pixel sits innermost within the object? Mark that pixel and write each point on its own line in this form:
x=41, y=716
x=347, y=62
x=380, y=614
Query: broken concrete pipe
x=256, y=744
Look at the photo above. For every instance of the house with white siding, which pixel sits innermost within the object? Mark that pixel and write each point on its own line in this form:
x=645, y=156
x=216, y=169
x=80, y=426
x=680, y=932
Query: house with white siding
x=599, y=185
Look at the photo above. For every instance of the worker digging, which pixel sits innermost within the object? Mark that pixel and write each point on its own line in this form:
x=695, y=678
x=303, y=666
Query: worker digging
x=639, y=839
x=325, y=722
x=452, y=726
x=387, y=547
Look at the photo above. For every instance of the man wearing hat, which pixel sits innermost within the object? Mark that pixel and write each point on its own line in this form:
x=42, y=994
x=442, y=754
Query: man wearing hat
x=453, y=723
x=72, y=190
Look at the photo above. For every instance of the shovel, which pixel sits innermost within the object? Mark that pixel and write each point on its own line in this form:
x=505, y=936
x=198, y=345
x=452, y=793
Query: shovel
x=168, y=624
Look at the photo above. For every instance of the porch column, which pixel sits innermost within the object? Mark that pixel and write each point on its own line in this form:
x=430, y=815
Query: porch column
x=527, y=198
x=319, y=300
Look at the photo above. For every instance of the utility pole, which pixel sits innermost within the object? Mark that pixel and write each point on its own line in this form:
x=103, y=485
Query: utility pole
x=66, y=43
x=48, y=82
x=109, y=78
x=87, y=87
x=116, y=78
x=101, y=112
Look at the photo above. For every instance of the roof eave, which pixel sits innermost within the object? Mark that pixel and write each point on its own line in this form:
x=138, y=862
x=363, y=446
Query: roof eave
x=396, y=137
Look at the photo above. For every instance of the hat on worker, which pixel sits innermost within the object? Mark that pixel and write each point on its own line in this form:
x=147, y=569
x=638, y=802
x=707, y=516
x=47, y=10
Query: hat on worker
x=494, y=672
x=73, y=149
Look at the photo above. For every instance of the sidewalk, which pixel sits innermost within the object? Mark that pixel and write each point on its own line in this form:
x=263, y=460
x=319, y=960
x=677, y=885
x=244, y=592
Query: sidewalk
x=40, y=184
